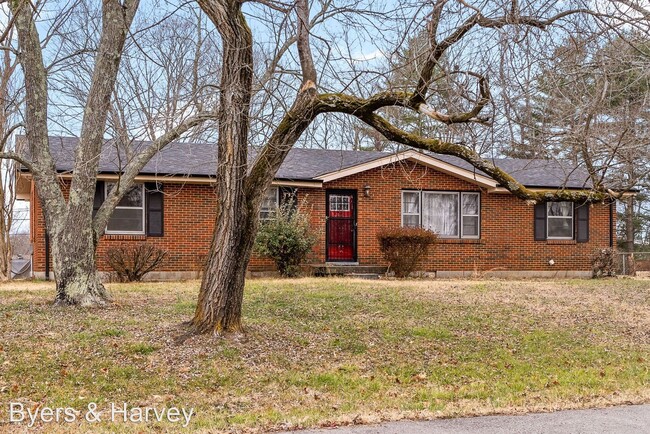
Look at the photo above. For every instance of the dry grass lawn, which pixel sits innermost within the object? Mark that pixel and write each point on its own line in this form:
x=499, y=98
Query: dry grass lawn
x=321, y=352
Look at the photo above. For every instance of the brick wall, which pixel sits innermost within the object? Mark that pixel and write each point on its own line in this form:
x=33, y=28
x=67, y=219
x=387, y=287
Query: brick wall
x=507, y=239
x=506, y=243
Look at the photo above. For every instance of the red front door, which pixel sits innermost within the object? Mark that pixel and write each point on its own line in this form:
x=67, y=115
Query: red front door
x=341, y=226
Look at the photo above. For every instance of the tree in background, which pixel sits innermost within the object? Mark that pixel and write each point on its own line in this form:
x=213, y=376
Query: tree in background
x=592, y=108
x=11, y=97
x=585, y=100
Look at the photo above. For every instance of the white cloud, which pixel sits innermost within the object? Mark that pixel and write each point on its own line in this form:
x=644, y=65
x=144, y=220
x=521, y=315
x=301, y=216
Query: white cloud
x=366, y=57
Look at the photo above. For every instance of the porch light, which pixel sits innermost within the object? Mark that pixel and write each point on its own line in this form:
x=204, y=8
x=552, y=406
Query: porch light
x=366, y=190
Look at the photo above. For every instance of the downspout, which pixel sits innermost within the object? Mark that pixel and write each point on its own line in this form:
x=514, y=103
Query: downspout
x=47, y=256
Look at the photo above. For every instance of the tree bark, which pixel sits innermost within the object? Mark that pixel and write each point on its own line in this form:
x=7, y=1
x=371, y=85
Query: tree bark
x=73, y=244
x=77, y=280
x=240, y=191
x=221, y=294
x=70, y=224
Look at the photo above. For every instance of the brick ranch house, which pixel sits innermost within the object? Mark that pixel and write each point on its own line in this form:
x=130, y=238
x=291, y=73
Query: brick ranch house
x=350, y=195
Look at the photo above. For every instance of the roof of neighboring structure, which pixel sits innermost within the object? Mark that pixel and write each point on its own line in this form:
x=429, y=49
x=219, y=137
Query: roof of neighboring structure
x=199, y=159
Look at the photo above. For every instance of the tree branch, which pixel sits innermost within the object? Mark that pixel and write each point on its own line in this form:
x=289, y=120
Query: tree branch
x=8, y=133
x=304, y=48
x=295, y=121
x=16, y=157
x=477, y=19
x=457, y=118
x=35, y=80
x=507, y=181
x=364, y=109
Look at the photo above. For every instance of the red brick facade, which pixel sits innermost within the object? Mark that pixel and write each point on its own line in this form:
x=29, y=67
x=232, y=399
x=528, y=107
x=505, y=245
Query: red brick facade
x=506, y=226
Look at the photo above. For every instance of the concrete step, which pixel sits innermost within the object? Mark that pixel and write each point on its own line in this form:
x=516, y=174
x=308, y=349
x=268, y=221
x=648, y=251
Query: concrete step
x=366, y=276
x=342, y=270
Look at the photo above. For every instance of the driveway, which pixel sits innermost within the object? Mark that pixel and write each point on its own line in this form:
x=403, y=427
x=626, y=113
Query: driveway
x=623, y=420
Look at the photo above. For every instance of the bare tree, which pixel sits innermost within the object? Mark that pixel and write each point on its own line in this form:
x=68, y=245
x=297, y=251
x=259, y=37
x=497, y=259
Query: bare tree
x=10, y=98
x=240, y=188
x=72, y=229
x=165, y=75
x=590, y=105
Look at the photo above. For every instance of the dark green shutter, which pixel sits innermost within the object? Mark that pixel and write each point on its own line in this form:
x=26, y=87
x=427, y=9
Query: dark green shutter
x=155, y=207
x=582, y=223
x=540, y=221
x=99, y=197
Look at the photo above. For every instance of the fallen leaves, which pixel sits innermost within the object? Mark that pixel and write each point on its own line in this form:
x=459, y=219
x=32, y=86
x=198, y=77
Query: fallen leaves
x=338, y=351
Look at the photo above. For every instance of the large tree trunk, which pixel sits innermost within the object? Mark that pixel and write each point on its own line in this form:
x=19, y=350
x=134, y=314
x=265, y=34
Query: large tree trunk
x=73, y=249
x=222, y=289
x=239, y=190
x=75, y=271
x=73, y=239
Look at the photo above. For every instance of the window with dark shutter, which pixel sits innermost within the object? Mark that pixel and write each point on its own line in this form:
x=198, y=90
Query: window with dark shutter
x=540, y=221
x=129, y=214
x=582, y=223
x=155, y=202
x=99, y=197
x=560, y=221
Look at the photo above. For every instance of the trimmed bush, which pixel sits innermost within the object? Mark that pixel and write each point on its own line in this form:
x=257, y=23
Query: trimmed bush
x=132, y=263
x=404, y=247
x=287, y=239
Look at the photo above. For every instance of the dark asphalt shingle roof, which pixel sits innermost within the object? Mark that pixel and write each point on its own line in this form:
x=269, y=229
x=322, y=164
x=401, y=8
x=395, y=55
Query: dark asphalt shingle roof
x=533, y=173
x=199, y=159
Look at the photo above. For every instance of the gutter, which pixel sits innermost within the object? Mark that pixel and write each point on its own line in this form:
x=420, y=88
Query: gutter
x=181, y=179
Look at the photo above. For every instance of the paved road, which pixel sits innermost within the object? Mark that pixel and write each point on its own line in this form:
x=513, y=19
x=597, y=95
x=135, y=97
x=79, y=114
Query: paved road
x=621, y=420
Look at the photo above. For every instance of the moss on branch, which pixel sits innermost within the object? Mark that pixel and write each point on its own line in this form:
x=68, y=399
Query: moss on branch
x=364, y=109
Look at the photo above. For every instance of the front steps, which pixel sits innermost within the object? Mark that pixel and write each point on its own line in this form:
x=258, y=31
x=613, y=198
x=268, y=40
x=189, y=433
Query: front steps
x=349, y=270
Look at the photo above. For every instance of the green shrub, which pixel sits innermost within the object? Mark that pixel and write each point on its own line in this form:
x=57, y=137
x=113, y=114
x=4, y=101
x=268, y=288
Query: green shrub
x=403, y=247
x=287, y=239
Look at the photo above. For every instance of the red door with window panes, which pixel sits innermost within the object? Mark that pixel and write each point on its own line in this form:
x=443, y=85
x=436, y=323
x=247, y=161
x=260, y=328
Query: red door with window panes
x=341, y=229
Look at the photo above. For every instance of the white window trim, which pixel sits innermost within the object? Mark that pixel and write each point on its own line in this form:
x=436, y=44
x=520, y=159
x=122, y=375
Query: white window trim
x=478, y=235
x=144, y=222
x=548, y=237
x=340, y=202
x=459, y=195
x=270, y=211
x=419, y=213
